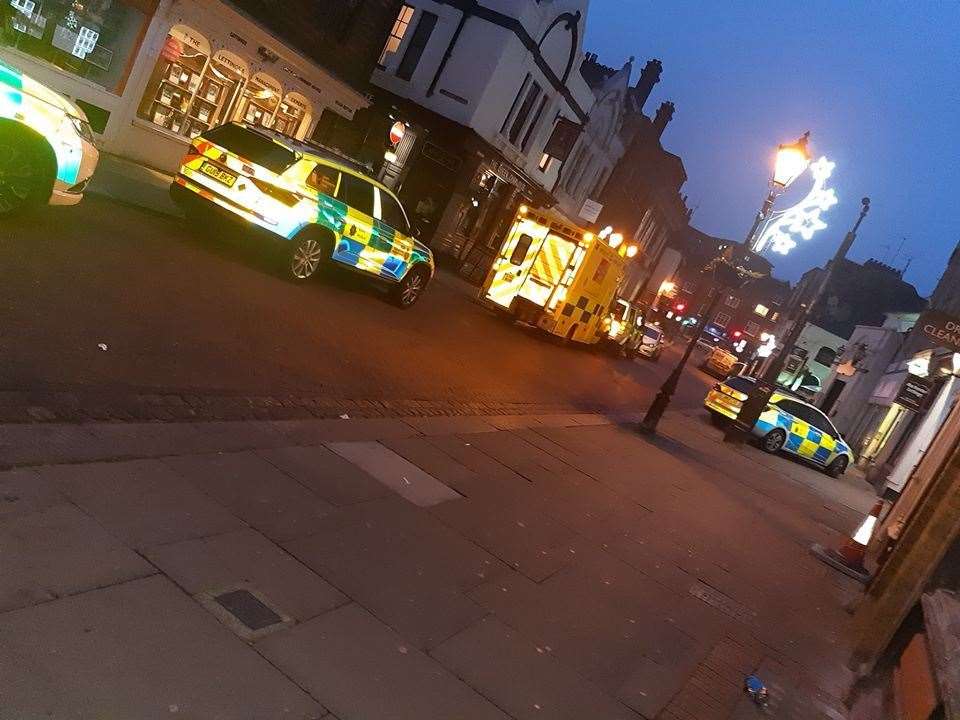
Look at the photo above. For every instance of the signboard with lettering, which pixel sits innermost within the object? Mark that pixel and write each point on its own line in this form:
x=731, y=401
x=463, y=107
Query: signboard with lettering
x=562, y=139
x=940, y=328
x=590, y=210
x=913, y=392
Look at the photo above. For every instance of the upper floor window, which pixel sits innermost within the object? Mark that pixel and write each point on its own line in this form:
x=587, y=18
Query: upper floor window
x=418, y=42
x=761, y=310
x=523, y=112
x=534, y=123
x=721, y=320
x=732, y=301
x=752, y=329
x=399, y=29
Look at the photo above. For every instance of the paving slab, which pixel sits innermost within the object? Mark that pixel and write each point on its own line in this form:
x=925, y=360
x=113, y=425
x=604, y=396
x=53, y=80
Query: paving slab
x=140, y=650
x=145, y=440
x=359, y=668
x=453, y=425
x=315, y=432
x=397, y=473
x=245, y=557
x=255, y=491
x=25, y=491
x=335, y=479
x=60, y=551
x=521, y=677
x=40, y=443
x=431, y=459
x=142, y=502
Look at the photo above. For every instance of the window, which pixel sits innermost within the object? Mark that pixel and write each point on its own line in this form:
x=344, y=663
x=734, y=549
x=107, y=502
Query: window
x=392, y=213
x=732, y=301
x=752, y=329
x=601, y=272
x=524, y=112
x=356, y=193
x=397, y=32
x=421, y=36
x=689, y=286
x=533, y=124
x=324, y=179
x=516, y=102
x=740, y=383
x=601, y=181
x=94, y=40
x=721, y=320
x=520, y=251
x=774, y=317
x=761, y=310
x=544, y=162
x=820, y=421
x=252, y=146
x=825, y=356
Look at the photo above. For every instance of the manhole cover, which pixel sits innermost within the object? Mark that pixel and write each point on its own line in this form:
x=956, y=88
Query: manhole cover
x=244, y=606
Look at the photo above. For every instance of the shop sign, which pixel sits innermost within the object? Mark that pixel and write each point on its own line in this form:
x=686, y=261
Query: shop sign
x=562, y=139
x=397, y=131
x=913, y=392
x=228, y=60
x=941, y=328
x=590, y=210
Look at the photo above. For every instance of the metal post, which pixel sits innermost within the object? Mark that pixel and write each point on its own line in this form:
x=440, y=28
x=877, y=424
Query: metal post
x=649, y=424
x=752, y=409
x=762, y=215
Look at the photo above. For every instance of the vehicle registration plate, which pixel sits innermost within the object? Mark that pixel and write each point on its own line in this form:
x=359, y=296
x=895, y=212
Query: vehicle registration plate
x=216, y=173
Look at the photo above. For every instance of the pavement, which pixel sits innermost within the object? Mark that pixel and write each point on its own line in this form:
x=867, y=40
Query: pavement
x=536, y=566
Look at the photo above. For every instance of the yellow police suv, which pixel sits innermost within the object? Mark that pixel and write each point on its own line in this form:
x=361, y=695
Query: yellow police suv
x=787, y=424
x=323, y=210
x=46, y=145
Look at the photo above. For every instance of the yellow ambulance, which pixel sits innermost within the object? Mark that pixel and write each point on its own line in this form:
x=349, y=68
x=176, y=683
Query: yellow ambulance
x=556, y=276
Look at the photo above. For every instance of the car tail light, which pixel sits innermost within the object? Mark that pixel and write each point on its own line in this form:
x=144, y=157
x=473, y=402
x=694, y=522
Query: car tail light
x=193, y=152
x=277, y=193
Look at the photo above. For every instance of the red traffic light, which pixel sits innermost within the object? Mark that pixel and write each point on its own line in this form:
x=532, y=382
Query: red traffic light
x=736, y=334
x=680, y=307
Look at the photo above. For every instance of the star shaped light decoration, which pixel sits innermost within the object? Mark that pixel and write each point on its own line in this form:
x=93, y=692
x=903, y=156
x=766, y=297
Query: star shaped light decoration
x=802, y=219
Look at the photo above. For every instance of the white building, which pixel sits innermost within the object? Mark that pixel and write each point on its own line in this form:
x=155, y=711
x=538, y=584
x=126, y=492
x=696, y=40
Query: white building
x=151, y=74
x=489, y=82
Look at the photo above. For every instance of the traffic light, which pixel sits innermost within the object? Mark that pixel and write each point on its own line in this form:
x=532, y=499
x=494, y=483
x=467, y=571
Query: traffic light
x=736, y=334
x=679, y=307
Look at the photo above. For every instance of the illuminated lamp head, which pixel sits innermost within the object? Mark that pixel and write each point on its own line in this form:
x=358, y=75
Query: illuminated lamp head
x=605, y=232
x=632, y=251
x=523, y=210
x=792, y=160
x=615, y=240
x=587, y=236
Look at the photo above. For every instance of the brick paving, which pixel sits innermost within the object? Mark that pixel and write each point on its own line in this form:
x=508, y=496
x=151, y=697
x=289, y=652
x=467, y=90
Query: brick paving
x=571, y=569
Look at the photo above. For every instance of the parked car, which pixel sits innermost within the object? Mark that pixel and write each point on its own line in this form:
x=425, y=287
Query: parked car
x=323, y=211
x=621, y=328
x=719, y=362
x=47, y=153
x=788, y=423
x=650, y=342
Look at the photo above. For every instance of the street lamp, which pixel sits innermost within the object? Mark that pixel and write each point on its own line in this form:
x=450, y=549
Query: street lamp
x=792, y=160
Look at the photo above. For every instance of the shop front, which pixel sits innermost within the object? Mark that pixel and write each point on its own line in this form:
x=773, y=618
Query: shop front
x=153, y=75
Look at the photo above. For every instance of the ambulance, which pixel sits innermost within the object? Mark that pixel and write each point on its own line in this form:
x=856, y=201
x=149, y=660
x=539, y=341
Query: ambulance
x=556, y=276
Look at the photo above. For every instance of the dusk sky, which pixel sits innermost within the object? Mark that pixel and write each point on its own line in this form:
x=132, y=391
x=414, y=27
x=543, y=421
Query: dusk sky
x=877, y=85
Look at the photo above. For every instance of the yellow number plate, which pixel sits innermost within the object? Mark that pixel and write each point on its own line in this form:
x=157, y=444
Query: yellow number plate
x=216, y=173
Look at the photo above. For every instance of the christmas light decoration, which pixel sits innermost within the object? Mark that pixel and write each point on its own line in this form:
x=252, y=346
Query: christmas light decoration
x=802, y=219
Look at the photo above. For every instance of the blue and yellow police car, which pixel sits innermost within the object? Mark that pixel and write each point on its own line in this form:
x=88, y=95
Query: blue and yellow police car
x=788, y=423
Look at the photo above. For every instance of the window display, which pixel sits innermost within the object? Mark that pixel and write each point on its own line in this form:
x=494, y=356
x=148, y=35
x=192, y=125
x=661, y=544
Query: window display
x=291, y=114
x=261, y=99
x=175, y=80
x=91, y=38
x=218, y=90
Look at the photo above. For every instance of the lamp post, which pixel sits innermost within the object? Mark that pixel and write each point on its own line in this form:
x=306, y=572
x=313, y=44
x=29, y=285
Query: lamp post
x=764, y=386
x=792, y=160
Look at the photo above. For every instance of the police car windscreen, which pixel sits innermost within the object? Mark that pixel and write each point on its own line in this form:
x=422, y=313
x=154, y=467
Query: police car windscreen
x=251, y=146
x=738, y=382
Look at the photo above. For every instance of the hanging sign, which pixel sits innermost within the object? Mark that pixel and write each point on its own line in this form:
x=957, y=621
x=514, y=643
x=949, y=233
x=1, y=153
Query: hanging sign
x=913, y=392
x=562, y=139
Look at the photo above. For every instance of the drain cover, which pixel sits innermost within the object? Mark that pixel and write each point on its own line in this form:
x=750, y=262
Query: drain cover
x=244, y=606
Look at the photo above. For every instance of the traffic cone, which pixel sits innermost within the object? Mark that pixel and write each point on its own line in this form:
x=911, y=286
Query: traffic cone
x=848, y=558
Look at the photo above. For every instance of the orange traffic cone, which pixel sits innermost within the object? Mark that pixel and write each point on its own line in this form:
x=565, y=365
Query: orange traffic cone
x=848, y=558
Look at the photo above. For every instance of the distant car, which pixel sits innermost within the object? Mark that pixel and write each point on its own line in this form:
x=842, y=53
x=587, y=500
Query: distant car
x=325, y=212
x=788, y=423
x=620, y=329
x=650, y=343
x=719, y=362
x=46, y=145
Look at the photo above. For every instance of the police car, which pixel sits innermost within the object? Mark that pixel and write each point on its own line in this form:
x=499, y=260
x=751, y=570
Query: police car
x=46, y=145
x=325, y=211
x=788, y=423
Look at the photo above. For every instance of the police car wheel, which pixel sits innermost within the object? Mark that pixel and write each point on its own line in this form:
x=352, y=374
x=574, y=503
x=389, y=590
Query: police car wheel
x=773, y=441
x=409, y=290
x=837, y=467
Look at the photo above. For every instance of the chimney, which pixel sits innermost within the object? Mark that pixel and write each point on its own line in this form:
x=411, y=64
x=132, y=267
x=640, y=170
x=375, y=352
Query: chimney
x=649, y=76
x=664, y=114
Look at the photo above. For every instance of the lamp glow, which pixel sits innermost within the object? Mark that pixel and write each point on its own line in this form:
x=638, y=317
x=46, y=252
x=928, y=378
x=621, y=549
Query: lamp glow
x=632, y=251
x=792, y=160
x=615, y=240
x=605, y=232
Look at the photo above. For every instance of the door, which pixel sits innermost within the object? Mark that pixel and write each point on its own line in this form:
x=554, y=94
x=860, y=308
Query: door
x=547, y=269
x=512, y=265
x=391, y=235
x=803, y=437
x=830, y=399
x=353, y=246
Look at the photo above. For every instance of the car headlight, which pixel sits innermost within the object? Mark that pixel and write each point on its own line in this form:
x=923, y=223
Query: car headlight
x=83, y=128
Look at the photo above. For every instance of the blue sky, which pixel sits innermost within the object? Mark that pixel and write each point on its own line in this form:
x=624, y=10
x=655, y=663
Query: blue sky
x=877, y=84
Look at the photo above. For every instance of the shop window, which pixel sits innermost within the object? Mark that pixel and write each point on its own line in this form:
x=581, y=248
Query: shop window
x=416, y=46
x=217, y=93
x=94, y=39
x=397, y=32
x=260, y=100
x=293, y=115
x=519, y=253
x=174, y=82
